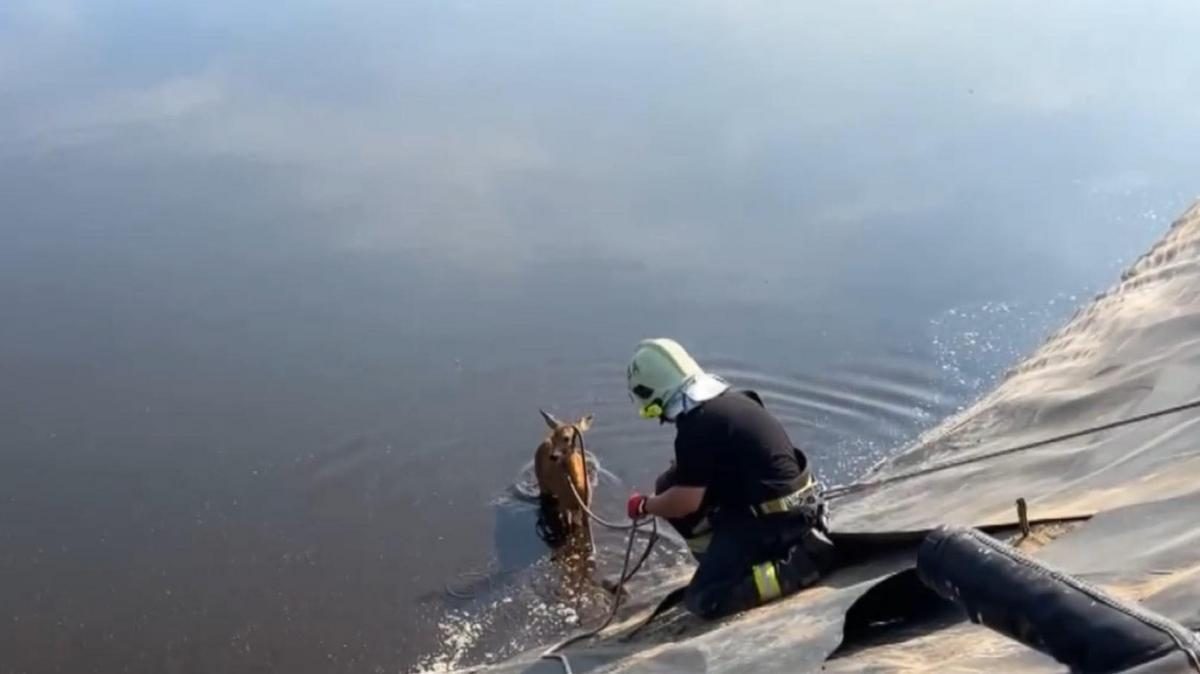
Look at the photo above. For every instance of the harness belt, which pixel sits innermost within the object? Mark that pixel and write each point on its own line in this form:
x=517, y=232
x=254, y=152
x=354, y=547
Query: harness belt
x=803, y=498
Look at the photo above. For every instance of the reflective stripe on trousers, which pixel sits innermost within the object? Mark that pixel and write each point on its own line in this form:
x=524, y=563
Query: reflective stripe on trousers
x=766, y=581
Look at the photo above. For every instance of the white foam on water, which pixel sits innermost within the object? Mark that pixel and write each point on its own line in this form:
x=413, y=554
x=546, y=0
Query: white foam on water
x=536, y=609
x=459, y=632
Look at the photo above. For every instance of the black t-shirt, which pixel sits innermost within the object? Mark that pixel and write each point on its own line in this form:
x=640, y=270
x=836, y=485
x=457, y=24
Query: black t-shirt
x=736, y=449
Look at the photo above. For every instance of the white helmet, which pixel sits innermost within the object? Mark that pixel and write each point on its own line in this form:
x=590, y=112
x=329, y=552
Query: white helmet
x=658, y=370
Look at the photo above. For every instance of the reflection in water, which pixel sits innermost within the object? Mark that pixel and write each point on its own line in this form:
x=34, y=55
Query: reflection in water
x=282, y=288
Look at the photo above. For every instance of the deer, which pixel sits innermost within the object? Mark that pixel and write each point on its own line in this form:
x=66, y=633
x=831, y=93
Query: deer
x=560, y=466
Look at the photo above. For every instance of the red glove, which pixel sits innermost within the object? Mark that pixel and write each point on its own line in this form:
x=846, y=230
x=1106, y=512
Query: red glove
x=636, y=506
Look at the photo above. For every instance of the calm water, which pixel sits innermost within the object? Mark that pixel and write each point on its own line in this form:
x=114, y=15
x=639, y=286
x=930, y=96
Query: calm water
x=281, y=289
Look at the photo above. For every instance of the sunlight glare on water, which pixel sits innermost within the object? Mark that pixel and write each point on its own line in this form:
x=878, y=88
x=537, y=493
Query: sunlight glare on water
x=283, y=286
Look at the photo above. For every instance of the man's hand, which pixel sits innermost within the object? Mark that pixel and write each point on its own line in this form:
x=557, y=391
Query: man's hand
x=636, y=506
x=678, y=501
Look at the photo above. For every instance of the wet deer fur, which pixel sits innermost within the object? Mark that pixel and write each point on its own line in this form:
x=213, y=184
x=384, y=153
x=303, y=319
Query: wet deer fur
x=559, y=463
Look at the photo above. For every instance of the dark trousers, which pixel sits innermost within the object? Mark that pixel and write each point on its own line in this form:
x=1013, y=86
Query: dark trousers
x=723, y=583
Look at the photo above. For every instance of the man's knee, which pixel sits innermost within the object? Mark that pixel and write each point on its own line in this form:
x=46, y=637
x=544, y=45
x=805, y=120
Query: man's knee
x=719, y=601
x=705, y=603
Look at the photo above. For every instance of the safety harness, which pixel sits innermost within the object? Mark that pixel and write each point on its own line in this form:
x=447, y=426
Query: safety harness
x=804, y=498
x=805, y=501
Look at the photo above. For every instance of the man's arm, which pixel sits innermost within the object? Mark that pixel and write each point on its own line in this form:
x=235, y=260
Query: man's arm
x=678, y=501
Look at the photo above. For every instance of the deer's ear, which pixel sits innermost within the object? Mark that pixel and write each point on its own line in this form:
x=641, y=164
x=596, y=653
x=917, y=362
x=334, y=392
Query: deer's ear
x=584, y=423
x=550, y=420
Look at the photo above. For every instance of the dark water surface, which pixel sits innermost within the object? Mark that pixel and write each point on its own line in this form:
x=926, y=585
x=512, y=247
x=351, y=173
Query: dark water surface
x=282, y=287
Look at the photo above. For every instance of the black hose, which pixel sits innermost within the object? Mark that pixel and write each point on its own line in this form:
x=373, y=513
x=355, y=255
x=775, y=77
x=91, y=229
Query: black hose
x=1064, y=617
